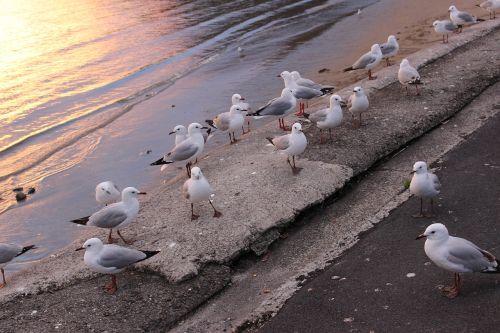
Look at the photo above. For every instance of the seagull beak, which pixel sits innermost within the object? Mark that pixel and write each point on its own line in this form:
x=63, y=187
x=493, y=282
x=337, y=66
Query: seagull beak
x=242, y=98
x=412, y=172
x=80, y=248
x=173, y=132
x=278, y=75
x=420, y=236
x=142, y=193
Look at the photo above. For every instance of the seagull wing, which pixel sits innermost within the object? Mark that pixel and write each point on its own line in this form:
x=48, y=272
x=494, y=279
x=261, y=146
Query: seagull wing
x=114, y=256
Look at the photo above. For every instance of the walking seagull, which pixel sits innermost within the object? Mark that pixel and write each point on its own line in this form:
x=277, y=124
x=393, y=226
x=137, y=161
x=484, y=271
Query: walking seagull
x=197, y=189
x=292, y=144
x=424, y=184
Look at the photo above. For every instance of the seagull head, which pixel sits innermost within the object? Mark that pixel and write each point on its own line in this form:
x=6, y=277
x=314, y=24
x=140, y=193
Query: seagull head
x=235, y=109
x=376, y=48
x=91, y=245
x=419, y=167
x=336, y=100
x=404, y=62
x=452, y=9
x=195, y=128
x=358, y=91
x=392, y=39
x=436, y=23
x=436, y=231
x=236, y=98
x=196, y=173
x=296, y=128
x=295, y=75
x=179, y=129
x=131, y=192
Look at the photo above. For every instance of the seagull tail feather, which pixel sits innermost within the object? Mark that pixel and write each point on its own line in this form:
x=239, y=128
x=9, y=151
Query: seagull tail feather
x=327, y=90
x=26, y=249
x=348, y=69
x=149, y=254
x=270, y=140
x=82, y=221
x=211, y=123
x=160, y=162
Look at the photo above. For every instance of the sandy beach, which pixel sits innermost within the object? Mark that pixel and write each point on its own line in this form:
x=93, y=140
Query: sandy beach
x=256, y=192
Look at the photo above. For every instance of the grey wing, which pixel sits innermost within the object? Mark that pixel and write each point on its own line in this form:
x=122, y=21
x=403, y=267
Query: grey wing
x=435, y=181
x=119, y=257
x=364, y=61
x=108, y=217
x=308, y=83
x=450, y=26
x=183, y=151
x=465, y=17
x=8, y=252
x=319, y=115
x=277, y=107
x=282, y=142
x=465, y=253
x=387, y=48
x=306, y=93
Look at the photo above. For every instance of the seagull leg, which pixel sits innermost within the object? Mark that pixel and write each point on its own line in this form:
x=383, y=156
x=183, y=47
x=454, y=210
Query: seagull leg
x=370, y=76
x=416, y=87
x=387, y=62
x=216, y=212
x=123, y=239
x=111, y=287
x=234, y=138
x=248, y=126
x=453, y=291
x=295, y=170
x=188, y=169
x=230, y=138
x=432, y=209
x=193, y=215
x=301, y=110
x=110, y=238
x=285, y=128
x=421, y=210
x=321, y=136
x=3, y=278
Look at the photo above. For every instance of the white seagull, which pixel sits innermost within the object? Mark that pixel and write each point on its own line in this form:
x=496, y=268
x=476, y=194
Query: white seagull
x=292, y=144
x=491, y=6
x=306, y=89
x=328, y=118
x=111, y=259
x=197, y=189
x=407, y=74
x=462, y=18
x=368, y=61
x=229, y=122
x=357, y=104
x=424, y=184
x=180, y=134
x=107, y=193
x=444, y=28
x=186, y=151
x=278, y=107
x=457, y=255
x=389, y=49
x=236, y=99
x=7, y=253
x=115, y=216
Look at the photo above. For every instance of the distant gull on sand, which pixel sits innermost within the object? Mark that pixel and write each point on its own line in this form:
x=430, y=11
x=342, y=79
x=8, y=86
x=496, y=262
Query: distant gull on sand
x=407, y=74
x=107, y=193
x=197, y=189
x=180, y=134
x=457, y=255
x=424, y=184
x=357, y=104
x=236, y=99
x=328, y=118
x=389, y=49
x=462, y=18
x=279, y=107
x=229, y=122
x=368, y=61
x=491, y=6
x=111, y=259
x=292, y=144
x=9, y=252
x=186, y=151
x=444, y=28
x=115, y=216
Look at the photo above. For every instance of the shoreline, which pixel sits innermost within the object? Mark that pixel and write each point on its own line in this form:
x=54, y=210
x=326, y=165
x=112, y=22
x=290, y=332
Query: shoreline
x=193, y=251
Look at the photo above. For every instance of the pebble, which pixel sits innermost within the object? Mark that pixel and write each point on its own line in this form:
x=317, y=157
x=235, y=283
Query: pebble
x=410, y=275
x=20, y=196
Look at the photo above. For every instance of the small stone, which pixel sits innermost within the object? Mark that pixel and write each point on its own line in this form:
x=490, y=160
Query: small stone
x=348, y=320
x=20, y=196
x=18, y=189
x=31, y=190
x=411, y=275
x=335, y=277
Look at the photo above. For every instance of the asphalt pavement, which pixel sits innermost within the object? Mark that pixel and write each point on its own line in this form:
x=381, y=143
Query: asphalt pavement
x=386, y=283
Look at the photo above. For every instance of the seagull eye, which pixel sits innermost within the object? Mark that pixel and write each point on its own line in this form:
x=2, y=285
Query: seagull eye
x=433, y=232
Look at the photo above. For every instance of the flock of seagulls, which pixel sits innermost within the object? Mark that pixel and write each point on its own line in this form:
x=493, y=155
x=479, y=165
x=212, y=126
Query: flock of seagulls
x=120, y=208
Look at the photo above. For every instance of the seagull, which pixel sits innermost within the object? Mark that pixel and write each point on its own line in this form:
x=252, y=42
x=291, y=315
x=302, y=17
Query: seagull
x=115, y=216
x=389, y=49
x=299, y=82
x=236, y=99
x=357, y=104
x=457, y=255
x=279, y=107
x=292, y=144
x=180, y=134
x=186, y=151
x=111, y=259
x=328, y=118
x=229, y=122
x=197, y=189
x=444, y=28
x=407, y=74
x=462, y=18
x=424, y=184
x=9, y=252
x=107, y=193
x=491, y=6
x=368, y=61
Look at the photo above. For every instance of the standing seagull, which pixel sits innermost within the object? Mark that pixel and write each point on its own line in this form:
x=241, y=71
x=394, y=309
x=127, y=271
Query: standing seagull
x=444, y=28
x=407, y=74
x=188, y=150
x=180, y=134
x=279, y=107
x=236, y=99
x=328, y=118
x=491, y=6
x=305, y=89
x=292, y=144
x=389, y=49
x=424, y=184
x=457, y=255
x=357, y=104
x=462, y=18
x=368, y=61
x=229, y=122
x=111, y=259
x=9, y=252
x=197, y=189
x=115, y=216
x=107, y=193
